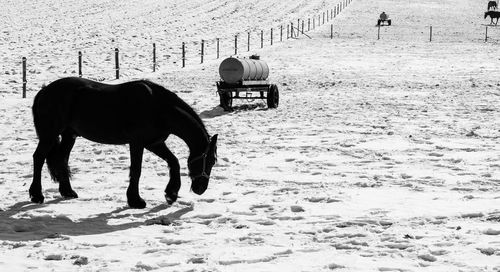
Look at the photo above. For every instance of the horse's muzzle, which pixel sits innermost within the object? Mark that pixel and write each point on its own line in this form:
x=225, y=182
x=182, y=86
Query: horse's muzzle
x=199, y=185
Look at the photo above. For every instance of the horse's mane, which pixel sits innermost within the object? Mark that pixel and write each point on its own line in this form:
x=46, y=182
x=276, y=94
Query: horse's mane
x=173, y=99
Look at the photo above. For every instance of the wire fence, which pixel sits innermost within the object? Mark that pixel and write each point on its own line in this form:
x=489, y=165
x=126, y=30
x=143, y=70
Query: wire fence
x=129, y=60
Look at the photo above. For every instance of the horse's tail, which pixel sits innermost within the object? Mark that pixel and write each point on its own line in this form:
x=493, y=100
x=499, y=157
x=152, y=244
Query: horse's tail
x=55, y=164
x=34, y=111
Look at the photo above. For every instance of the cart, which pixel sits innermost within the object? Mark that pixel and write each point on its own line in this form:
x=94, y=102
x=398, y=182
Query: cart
x=245, y=79
x=247, y=90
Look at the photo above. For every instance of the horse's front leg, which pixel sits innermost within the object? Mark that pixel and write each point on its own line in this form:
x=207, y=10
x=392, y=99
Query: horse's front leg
x=174, y=185
x=133, y=198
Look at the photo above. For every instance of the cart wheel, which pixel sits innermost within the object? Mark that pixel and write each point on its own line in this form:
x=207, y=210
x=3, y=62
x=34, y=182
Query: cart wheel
x=273, y=97
x=226, y=101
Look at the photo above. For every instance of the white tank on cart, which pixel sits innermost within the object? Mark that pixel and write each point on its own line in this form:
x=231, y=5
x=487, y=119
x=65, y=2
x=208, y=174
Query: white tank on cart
x=233, y=70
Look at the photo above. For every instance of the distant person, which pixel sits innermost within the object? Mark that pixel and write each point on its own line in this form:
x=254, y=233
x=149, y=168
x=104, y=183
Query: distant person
x=384, y=18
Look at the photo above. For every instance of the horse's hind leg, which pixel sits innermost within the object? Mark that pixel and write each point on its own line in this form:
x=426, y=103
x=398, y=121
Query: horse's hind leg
x=133, y=198
x=67, y=143
x=173, y=186
x=41, y=153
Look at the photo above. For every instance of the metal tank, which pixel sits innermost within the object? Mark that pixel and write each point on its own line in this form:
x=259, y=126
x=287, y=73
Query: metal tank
x=235, y=70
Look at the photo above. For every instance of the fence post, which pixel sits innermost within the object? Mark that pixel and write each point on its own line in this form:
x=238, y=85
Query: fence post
x=486, y=35
x=303, y=22
x=281, y=33
x=287, y=32
x=218, y=47
x=298, y=27
x=248, y=41
x=154, y=57
x=117, y=63
x=261, y=38
x=331, y=31
x=80, y=63
x=378, y=32
x=202, y=49
x=323, y=17
x=331, y=14
x=308, y=24
x=24, y=77
x=430, y=34
x=236, y=44
x=271, y=36
x=183, y=54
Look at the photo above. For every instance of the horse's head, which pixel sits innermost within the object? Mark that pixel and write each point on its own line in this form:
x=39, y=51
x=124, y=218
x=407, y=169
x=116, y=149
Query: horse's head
x=201, y=166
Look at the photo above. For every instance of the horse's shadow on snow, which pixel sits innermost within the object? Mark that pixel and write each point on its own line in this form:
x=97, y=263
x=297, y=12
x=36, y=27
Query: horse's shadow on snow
x=47, y=227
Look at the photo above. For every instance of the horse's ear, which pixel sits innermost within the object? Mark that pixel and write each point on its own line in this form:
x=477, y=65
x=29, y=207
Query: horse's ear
x=213, y=140
x=213, y=146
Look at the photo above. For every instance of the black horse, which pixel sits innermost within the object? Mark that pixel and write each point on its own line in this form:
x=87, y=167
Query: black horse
x=139, y=113
x=492, y=14
x=492, y=5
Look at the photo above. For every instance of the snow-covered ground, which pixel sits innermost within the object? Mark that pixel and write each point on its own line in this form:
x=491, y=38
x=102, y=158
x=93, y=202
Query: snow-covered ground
x=383, y=155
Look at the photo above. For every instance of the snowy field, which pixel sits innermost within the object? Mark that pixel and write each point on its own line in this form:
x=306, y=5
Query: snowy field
x=383, y=155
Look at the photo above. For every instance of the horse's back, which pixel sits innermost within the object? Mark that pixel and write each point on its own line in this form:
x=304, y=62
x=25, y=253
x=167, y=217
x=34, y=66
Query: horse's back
x=99, y=112
x=61, y=92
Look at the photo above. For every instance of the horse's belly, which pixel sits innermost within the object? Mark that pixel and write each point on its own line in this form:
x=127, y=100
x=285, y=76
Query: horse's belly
x=102, y=135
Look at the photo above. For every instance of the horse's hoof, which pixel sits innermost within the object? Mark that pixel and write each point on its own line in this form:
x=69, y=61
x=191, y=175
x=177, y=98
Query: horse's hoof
x=37, y=199
x=69, y=195
x=137, y=203
x=171, y=198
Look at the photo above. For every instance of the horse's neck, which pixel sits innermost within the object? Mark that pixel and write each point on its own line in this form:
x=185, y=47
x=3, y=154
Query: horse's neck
x=191, y=132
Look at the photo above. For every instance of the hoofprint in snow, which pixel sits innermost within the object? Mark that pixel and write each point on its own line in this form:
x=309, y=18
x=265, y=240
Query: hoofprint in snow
x=383, y=155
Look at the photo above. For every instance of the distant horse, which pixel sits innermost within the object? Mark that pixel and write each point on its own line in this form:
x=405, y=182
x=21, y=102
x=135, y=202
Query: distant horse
x=493, y=14
x=492, y=5
x=139, y=113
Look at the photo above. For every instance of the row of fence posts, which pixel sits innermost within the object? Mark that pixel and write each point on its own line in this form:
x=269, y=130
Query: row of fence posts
x=290, y=33
x=330, y=14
